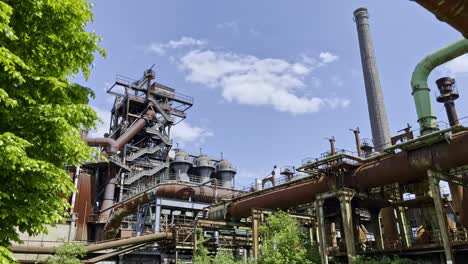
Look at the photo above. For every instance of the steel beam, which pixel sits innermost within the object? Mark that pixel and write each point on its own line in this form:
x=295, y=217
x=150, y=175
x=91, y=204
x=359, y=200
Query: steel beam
x=441, y=215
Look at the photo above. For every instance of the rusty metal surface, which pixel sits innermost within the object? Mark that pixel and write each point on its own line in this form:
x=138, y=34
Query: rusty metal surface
x=282, y=198
x=408, y=166
x=116, y=145
x=83, y=205
x=165, y=190
x=99, y=246
x=402, y=167
x=453, y=12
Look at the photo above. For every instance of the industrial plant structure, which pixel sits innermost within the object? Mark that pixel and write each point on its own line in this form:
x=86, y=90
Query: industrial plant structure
x=147, y=200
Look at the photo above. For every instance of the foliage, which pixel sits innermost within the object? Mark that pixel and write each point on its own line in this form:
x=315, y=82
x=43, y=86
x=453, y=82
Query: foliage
x=313, y=253
x=282, y=241
x=6, y=257
x=42, y=43
x=201, y=254
x=67, y=253
x=384, y=260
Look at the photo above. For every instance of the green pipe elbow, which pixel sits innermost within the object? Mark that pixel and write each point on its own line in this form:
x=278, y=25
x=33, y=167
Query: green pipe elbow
x=420, y=89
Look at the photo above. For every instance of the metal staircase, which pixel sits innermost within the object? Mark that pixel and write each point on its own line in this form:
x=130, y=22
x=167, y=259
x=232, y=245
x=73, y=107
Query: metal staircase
x=142, y=152
x=119, y=163
x=134, y=176
x=158, y=133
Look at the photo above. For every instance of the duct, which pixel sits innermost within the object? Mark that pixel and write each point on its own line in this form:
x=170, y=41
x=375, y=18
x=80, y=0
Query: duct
x=420, y=88
x=402, y=167
x=97, y=247
x=115, y=145
x=407, y=166
x=453, y=12
x=165, y=190
x=108, y=200
x=112, y=254
x=292, y=194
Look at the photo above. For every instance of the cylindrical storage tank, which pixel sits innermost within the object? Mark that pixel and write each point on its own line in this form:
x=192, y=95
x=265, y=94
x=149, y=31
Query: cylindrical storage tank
x=226, y=173
x=181, y=165
x=205, y=167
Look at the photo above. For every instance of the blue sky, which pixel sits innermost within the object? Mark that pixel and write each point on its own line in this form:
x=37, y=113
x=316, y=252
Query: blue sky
x=271, y=79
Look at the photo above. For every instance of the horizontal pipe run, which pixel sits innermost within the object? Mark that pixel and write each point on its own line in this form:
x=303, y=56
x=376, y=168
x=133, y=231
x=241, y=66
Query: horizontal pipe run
x=99, y=246
x=402, y=167
x=165, y=190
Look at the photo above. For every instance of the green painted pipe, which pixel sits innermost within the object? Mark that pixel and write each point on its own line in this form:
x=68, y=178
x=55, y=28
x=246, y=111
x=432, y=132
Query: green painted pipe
x=421, y=92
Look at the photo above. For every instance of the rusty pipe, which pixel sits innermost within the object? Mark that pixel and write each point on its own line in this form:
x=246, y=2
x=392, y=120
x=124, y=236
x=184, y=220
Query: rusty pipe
x=402, y=167
x=295, y=193
x=452, y=12
x=407, y=166
x=115, y=145
x=97, y=247
x=165, y=190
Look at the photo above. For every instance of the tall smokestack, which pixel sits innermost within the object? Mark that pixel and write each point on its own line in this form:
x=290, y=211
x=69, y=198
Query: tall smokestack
x=375, y=100
x=376, y=106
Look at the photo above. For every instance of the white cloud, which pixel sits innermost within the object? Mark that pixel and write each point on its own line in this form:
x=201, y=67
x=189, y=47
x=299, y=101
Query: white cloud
x=161, y=48
x=230, y=25
x=249, y=80
x=328, y=57
x=456, y=67
x=184, y=133
x=102, y=127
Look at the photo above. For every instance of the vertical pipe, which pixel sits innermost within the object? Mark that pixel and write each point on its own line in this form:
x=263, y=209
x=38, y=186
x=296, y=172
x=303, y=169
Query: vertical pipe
x=375, y=100
x=358, y=141
x=71, y=233
x=420, y=89
x=108, y=200
x=332, y=147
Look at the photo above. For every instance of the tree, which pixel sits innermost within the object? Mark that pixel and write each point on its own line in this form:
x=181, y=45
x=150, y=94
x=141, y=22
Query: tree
x=42, y=43
x=282, y=241
x=67, y=253
x=200, y=256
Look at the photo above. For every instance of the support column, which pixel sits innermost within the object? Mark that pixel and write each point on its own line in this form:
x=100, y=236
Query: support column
x=376, y=227
x=255, y=225
x=345, y=198
x=405, y=233
x=311, y=235
x=322, y=239
x=157, y=217
x=441, y=215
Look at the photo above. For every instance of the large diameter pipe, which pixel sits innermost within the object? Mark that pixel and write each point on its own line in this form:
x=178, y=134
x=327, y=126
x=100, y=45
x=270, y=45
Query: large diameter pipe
x=420, y=89
x=402, y=167
x=108, y=201
x=294, y=194
x=115, y=145
x=453, y=12
x=407, y=166
x=375, y=99
x=97, y=247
